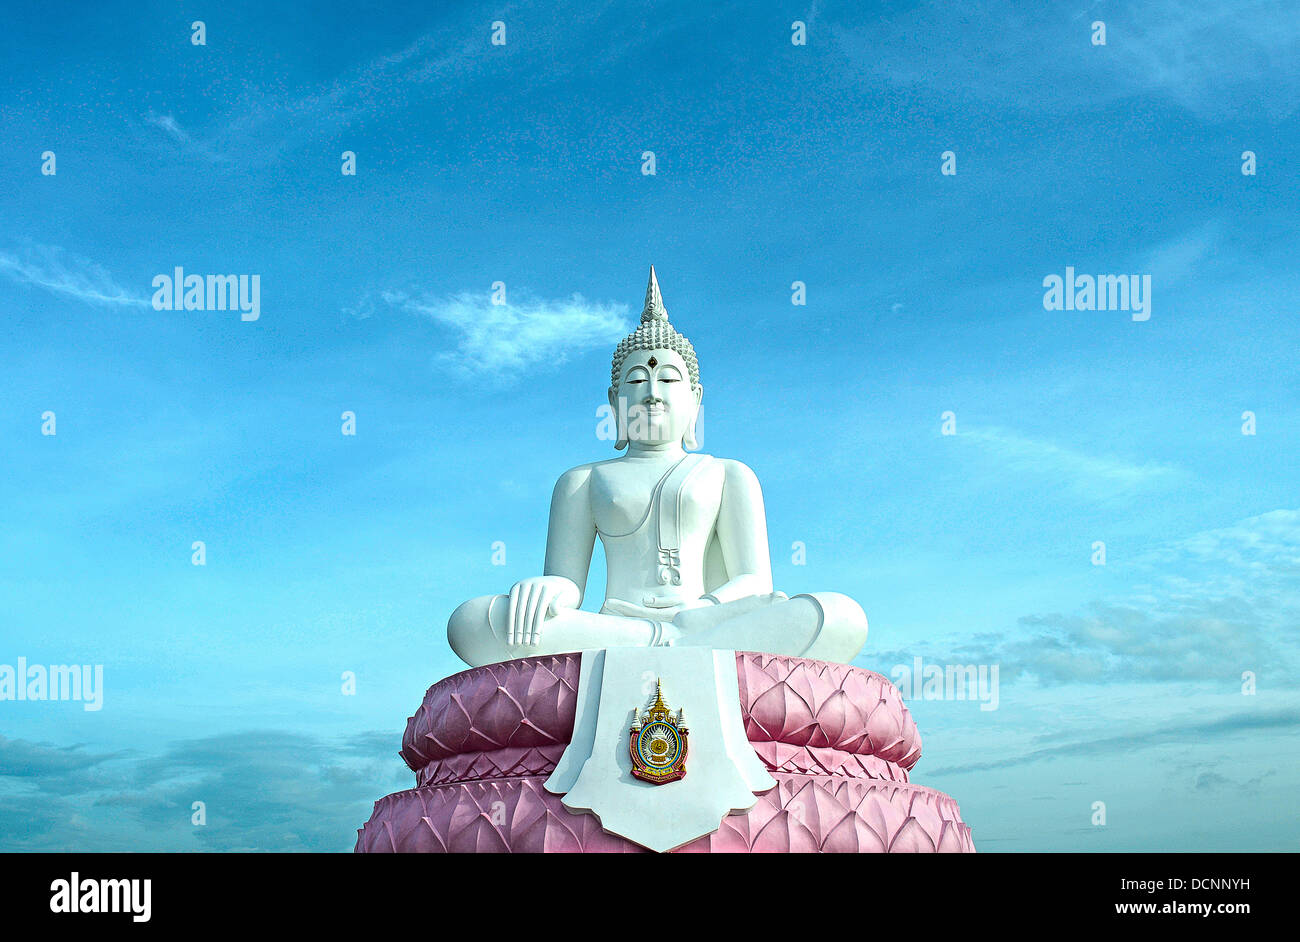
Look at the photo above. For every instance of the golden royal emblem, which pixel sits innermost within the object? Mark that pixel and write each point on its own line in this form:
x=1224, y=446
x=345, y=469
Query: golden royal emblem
x=658, y=743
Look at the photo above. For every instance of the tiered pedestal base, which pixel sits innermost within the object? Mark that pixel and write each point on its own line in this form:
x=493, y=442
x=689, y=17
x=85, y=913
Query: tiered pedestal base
x=838, y=740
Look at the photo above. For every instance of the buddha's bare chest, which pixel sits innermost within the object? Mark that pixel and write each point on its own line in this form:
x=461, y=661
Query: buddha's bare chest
x=629, y=498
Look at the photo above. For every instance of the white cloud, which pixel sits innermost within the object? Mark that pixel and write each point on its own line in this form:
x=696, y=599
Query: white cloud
x=51, y=268
x=1210, y=59
x=1272, y=537
x=119, y=800
x=1213, y=604
x=1258, y=557
x=437, y=66
x=288, y=119
x=1178, y=258
x=172, y=128
x=505, y=338
x=168, y=124
x=1086, y=472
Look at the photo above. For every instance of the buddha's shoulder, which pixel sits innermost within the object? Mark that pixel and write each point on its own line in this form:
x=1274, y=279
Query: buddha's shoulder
x=577, y=478
x=737, y=470
x=732, y=469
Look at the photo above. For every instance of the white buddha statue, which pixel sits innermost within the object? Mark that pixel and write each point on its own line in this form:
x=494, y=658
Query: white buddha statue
x=684, y=534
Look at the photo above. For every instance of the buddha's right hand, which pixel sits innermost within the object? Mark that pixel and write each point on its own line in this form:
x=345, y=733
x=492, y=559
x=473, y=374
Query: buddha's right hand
x=532, y=600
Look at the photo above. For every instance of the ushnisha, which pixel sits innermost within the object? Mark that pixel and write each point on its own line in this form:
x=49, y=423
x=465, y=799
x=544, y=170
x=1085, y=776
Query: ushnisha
x=684, y=533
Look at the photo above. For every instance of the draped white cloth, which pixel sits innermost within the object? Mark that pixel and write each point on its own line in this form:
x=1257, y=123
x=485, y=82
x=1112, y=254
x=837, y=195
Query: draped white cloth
x=723, y=773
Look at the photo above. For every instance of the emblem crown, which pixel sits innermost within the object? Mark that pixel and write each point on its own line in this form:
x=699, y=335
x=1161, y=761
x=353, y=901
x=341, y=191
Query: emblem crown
x=658, y=742
x=658, y=712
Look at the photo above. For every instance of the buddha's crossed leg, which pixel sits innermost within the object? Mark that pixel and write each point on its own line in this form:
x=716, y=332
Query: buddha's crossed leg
x=825, y=625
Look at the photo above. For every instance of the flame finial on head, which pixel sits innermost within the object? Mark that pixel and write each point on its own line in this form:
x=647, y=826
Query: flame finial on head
x=655, y=333
x=654, y=309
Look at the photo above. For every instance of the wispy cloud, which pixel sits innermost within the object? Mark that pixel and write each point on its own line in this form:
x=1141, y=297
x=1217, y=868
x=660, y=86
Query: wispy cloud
x=264, y=126
x=171, y=127
x=1257, y=543
x=1086, y=472
x=1215, y=604
x=384, y=84
x=505, y=338
x=1211, y=780
x=51, y=268
x=1113, y=642
x=168, y=124
x=1194, y=732
x=435, y=66
x=1258, y=557
x=1211, y=60
x=1176, y=259
x=262, y=791
x=22, y=758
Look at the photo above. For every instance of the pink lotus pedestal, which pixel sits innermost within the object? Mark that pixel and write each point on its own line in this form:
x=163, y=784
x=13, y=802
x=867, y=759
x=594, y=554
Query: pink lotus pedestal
x=838, y=740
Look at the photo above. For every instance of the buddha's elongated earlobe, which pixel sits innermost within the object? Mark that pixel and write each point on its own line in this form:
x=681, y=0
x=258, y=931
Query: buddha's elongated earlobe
x=690, y=439
x=620, y=440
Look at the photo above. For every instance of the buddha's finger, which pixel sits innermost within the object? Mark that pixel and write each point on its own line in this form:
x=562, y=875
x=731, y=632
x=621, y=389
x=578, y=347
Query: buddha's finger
x=510, y=622
x=530, y=617
x=521, y=614
x=543, y=609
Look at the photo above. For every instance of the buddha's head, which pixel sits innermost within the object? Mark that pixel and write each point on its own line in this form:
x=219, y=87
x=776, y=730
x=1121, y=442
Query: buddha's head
x=655, y=386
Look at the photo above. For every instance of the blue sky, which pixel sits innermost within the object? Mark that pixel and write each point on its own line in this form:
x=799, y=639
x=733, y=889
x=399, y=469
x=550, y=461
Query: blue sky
x=522, y=164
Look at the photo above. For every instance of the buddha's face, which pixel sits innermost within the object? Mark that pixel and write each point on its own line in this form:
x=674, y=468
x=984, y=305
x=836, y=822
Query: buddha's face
x=655, y=401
